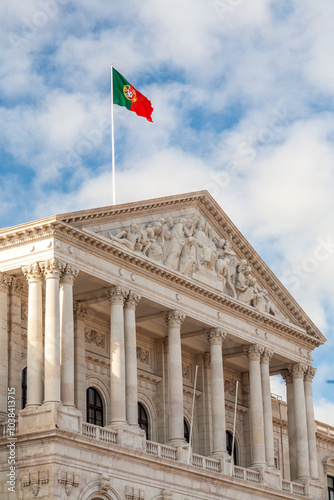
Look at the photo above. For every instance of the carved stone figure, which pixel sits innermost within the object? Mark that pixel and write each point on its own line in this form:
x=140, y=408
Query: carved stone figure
x=244, y=284
x=127, y=237
x=223, y=266
x=153, y=247
x=176, y=239
x=188, y=260
x=261, y=301
x=204, y=252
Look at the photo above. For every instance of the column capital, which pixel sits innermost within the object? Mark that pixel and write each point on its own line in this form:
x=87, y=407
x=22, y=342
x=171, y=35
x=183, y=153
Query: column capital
x=69, y=274
x=117, y=294
x=33, y=272
x=132, y=300
x=266, y=355
x=253, y=351
x=5, y=281
x=287, y=376
x=216, y=336
x=297, y=370
x=52, y=268
x=309, y=373
x=80, y=309
x=174, y=318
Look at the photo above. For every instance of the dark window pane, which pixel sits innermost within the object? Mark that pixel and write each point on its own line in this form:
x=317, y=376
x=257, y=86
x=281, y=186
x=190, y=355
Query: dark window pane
x=94, y=407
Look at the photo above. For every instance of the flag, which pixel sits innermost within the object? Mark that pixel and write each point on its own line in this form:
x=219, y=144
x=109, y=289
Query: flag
x=124, y=94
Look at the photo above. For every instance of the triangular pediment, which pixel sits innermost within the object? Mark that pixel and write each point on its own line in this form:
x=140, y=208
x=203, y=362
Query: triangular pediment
x=191, y=235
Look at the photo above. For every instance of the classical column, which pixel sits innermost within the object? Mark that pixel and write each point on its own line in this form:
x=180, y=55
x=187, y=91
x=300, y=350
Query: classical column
x=174, y=320
x=131, y=377
x=303, y=467
x=80, y=311
x=216, y=337
x=5, y=282
x=312, y=447
x=116, y=296
x=267, y=410
x=254, y=353
x=67, y=335
x=52, y=270
x=286, y=374
x=34, y=276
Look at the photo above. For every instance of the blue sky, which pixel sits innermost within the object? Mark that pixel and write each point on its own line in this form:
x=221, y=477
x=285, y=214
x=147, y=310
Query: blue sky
x=243, y=107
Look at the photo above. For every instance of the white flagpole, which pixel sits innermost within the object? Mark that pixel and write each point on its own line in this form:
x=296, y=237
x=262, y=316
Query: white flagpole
x=235, y=417
x=112, y=137
x=192, y=414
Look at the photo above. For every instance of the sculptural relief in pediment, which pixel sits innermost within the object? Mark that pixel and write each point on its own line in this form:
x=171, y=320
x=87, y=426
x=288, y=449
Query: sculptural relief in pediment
x=191, y=247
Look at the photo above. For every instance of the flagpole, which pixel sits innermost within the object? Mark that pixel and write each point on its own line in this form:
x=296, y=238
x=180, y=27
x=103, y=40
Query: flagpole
x=192, y=414
x=112, y=136
x=234, y=422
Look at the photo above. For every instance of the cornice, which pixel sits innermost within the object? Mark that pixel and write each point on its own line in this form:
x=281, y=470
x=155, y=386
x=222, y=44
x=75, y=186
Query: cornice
x=142, y=263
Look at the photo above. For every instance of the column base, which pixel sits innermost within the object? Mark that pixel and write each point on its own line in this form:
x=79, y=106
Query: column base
x=49, y=416
x=131, y=436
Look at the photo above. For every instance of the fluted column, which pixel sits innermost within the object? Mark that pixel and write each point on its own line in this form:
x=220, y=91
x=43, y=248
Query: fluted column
x=303, y=468
x=254, y=353
x=216, y=337
x=267, y=409
x=5, y=282
x=287, y=376
x=34, y=276
x=131, y=377
x=67, y=335
x=174, y=320
x=80, y=311
x=52, y=271
x=312, y=447
x=116, y=296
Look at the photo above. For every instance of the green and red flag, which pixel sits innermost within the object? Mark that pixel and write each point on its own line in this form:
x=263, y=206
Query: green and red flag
x=124, y=94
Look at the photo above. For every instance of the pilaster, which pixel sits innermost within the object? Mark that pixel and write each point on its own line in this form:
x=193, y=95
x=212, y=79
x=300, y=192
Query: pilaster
x=5, y=282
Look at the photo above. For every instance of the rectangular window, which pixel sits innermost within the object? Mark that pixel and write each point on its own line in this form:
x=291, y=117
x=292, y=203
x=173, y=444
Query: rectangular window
x=330, y=484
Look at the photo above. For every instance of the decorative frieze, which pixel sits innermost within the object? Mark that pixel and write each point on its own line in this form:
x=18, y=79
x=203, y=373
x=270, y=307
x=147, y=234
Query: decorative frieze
x=186, y=371
x=97, y=338
x=143, y=355
x=69, y=480
x=34, y=480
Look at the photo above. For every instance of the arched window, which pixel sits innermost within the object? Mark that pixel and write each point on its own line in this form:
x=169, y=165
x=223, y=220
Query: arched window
x=186, y=431
x=229, y=439
x=24, y=388
x=143, y=419
x=94, y=407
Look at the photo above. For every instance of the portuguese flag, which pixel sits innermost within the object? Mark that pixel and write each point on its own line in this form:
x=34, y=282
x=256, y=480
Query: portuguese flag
x=125, y=94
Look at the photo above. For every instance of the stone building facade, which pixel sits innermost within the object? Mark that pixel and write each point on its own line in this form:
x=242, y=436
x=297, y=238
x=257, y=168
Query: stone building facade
x=130, y=331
